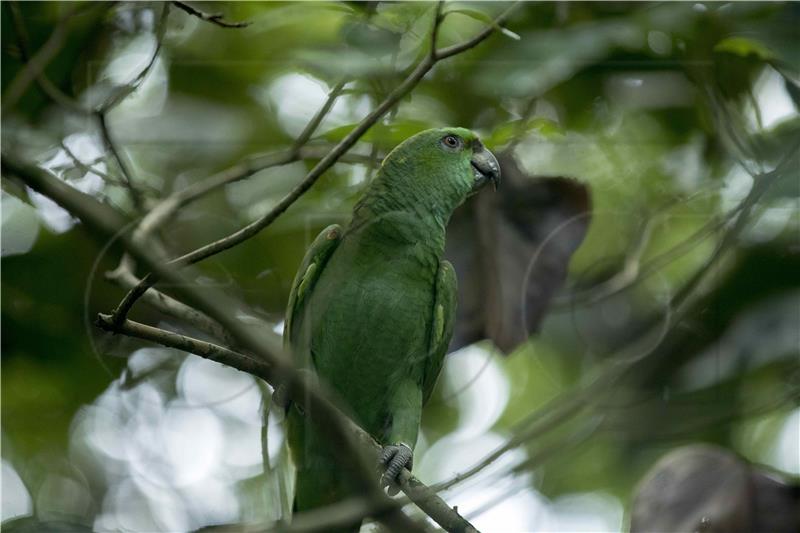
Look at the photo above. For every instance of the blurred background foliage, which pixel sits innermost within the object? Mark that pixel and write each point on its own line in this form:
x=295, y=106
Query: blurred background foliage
x=668, y=112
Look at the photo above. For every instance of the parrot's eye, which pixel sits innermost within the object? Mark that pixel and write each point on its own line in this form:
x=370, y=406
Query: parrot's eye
x=452, y=142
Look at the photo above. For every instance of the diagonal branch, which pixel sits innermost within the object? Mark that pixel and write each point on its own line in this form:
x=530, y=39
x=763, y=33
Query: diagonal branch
x=124, y=277
x=127, y=89
x=245, y=233
x=314, y=123
x=35, y=65
x=213, y=18
x=123, y=166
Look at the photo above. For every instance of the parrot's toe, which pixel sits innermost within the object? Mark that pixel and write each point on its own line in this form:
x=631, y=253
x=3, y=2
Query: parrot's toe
x=395, y=457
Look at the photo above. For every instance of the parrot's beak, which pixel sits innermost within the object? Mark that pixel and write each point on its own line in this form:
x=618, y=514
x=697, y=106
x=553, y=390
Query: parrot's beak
x=484, y=166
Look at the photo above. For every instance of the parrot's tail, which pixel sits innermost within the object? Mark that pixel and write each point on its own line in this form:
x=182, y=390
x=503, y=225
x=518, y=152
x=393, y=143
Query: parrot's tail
x=320, y=480
x=321, y=487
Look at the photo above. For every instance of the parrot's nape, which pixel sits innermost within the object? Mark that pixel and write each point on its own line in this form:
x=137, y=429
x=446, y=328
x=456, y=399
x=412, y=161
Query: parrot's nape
x=372, y=307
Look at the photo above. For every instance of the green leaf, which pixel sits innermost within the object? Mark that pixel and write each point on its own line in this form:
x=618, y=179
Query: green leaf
x=509, y=131
x=483, y=17
x=385, y=135
x=744, y=47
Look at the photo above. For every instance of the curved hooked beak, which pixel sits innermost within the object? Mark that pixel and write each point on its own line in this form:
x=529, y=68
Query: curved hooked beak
x=484, y=166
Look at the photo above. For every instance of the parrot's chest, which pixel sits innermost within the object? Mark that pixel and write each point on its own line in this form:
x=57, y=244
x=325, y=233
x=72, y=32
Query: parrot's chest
x=371, y=323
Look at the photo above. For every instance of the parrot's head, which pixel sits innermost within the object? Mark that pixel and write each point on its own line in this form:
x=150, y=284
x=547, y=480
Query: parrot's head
x=443, y=166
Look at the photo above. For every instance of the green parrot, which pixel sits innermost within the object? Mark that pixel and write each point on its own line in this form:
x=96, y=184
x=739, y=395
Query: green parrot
x=372, y=307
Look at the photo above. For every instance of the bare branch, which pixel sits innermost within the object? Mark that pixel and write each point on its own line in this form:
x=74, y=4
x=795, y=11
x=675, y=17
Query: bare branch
x=38, y=61
x=213, y=18
x=123, y=277
x=167, y=207
x=126, y=90
x=437, y=21
x=113, y=100
x=89, y=167
x=35, y=65
x=207, y=350
x=123, y=167
x=472, y=43
x=314, y=123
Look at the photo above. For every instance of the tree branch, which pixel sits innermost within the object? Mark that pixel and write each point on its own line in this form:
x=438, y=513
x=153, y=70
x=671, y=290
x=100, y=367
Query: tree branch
x=314, y=123
x=213, y=18
x=162, y=212
x=123, y=167
x=34, y=68
x=123, y=277
x=36, y=64
x=419, y=493
x=89, y=168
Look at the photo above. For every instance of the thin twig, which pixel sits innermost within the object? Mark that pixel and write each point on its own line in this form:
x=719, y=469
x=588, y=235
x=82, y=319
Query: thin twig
x=126, y=90
x=35, y=65
x=89, y=167
x=102, y=112
x=34, y=68
x=123, y=166
x=214, y=18
x=162, y=212
x=437, y=22
x=207, y=350
x=123, y=277
x=314, y=123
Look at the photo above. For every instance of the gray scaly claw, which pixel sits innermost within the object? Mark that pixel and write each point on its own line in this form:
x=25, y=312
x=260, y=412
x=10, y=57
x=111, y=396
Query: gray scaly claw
x=395, y=457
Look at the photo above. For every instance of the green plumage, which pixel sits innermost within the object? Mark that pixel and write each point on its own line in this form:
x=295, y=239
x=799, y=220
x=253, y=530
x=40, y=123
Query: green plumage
x=372, y=307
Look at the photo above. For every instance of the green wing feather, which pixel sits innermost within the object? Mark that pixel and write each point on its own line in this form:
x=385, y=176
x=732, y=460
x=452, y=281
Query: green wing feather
x=307, y=275
x=444, y=317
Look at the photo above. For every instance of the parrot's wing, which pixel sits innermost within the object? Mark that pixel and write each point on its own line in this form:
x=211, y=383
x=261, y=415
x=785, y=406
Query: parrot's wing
x=308, y=274
x=444, y=317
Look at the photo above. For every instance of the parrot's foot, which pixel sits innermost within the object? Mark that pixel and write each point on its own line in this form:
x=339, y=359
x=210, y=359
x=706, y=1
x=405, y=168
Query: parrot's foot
x=395, y=457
